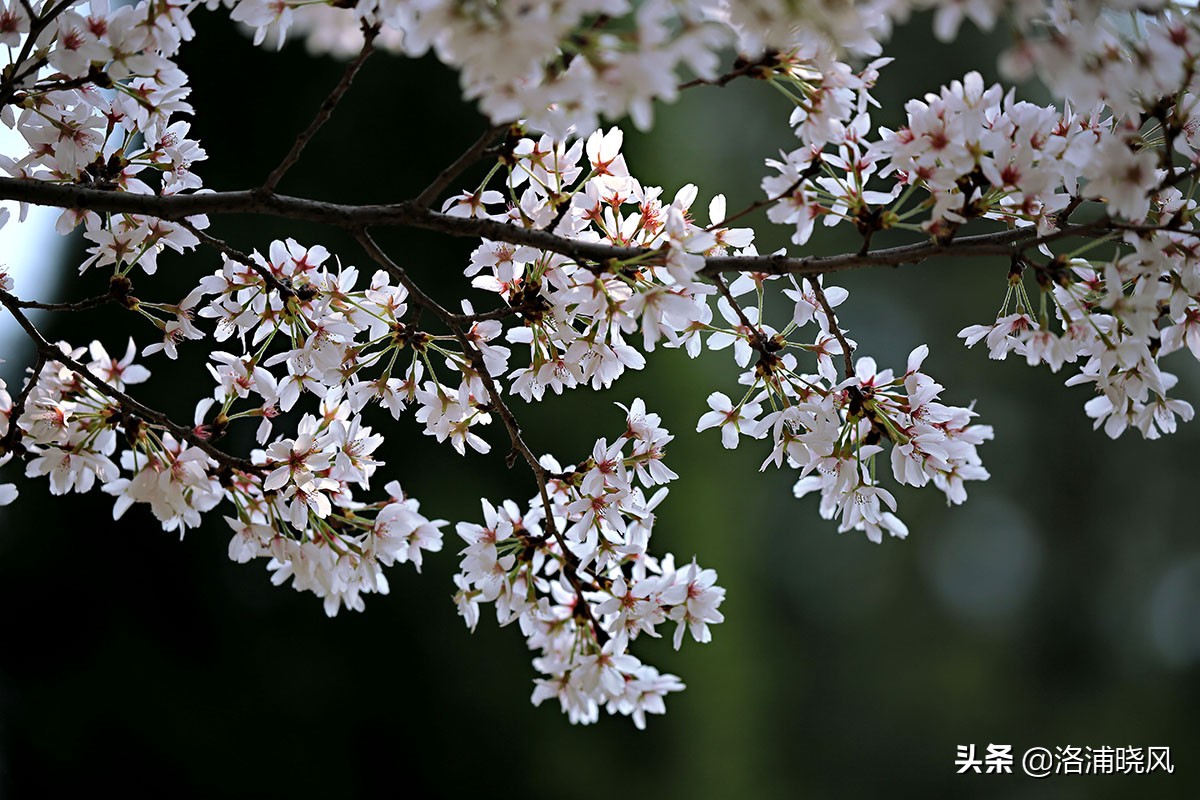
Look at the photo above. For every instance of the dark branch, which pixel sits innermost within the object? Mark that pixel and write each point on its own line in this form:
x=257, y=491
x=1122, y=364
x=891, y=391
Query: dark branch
x=447, y=176
x=496, y=401
x=326, y=109
x=834, y=328
x=77, y=305
x=761, y=68
x=756, y=205
x=408, y=214
x=737, y=308
x=12, y=438
x=282, y=286
x=50, y=353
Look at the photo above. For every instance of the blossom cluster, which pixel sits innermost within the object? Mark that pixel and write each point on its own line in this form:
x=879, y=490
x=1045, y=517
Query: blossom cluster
x=293, y=505
x=98, y=103
x=575, y=572
x=972, y=152
x=576, y=317
x=568, y=64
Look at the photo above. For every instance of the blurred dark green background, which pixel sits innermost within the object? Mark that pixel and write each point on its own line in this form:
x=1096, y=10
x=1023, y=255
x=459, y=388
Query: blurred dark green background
x=1057, y=607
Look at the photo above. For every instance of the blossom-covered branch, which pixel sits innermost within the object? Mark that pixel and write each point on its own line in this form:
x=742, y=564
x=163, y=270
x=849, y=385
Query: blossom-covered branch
x=60, y=358
x=1002, y=243
x=582, y=269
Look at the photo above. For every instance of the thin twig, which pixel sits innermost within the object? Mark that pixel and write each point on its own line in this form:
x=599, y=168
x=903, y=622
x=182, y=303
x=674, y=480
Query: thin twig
x=37, y=23
x=12, y=437
x=834, y=328
x=807, y=174
x=77, y=305
x=497, y=404
x=719, y=282
x=326, y=109
x=755, y=206
x=51, y=353
x=738, y=71
x=283, y=286
x=469, y=156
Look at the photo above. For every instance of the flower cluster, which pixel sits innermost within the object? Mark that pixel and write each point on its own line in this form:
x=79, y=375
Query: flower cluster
x=568, y=64
x=833, y=430
x=66, y=425
x=576, y=317
x=97, y=103
x=972, y=152
x=293, y=504
x=575, y=572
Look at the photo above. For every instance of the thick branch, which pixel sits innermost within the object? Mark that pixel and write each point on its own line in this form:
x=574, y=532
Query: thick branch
x=409, y=214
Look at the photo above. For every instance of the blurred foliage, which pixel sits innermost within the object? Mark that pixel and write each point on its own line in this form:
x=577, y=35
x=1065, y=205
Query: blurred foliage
x=1057, y=607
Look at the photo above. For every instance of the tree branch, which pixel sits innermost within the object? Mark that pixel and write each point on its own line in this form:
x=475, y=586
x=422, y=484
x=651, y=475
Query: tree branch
x=834, y=328
x=327, y=107
x=76, y=305
x=763, y=66
x=49, y=353
x=719, y=282
x=460, y=165
x=766, y=201
x=284, y=286
x=496, y=399
x=409, y=214
x=12, y=438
